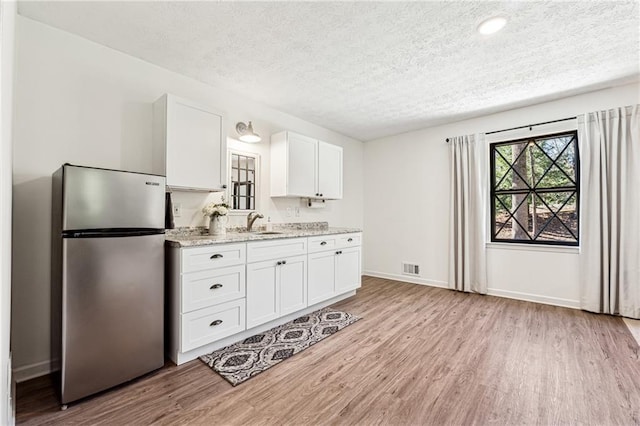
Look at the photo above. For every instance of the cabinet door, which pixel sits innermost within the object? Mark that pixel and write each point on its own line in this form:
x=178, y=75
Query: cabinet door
x=293, y=285
x=348, y=270
x=263, y=296
x=321, y=277
x=329, y=170
x=302, y=162
x=195, y=145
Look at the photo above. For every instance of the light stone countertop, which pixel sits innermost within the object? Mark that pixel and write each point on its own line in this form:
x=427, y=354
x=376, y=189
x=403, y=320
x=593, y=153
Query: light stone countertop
x=238, y=237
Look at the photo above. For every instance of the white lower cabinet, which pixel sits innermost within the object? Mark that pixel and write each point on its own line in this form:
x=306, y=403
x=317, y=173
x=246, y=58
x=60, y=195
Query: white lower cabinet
x=348, y=275
x=278, y=286
x=218, y=291
x=322, y=276
x=293, y=285
x=335, y=271
x=263, y=303
x=206, y=302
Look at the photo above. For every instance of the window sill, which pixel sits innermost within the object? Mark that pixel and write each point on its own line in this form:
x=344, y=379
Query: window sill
x=532, y=247
x=240, y=212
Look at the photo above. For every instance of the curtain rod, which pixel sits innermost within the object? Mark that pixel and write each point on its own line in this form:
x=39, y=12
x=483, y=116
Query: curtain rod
x=528, y=125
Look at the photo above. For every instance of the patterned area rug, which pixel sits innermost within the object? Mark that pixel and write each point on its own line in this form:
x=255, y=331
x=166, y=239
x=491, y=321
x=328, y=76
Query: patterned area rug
x=250, y=357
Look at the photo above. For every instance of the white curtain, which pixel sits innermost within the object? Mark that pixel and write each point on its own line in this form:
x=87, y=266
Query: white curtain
x=468, y=225
x=610, y=211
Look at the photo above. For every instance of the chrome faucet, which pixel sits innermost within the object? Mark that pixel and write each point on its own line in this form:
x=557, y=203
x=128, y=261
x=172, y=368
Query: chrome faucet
x=251, y=217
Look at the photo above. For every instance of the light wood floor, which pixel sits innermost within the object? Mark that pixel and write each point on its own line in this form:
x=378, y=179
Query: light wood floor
x=420, y=355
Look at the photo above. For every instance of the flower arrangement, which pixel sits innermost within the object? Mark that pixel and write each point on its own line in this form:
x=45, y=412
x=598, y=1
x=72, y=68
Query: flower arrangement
x=216, y=209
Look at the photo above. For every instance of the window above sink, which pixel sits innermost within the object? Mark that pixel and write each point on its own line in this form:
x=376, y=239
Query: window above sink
x=244, y=185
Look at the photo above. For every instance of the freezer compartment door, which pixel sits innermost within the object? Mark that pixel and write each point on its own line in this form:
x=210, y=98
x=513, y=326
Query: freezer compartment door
x=101, y=199
x=112, y=312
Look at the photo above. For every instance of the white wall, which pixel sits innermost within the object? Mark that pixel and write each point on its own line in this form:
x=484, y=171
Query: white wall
x=407, y=206
x=83, y=103
x=7, y=37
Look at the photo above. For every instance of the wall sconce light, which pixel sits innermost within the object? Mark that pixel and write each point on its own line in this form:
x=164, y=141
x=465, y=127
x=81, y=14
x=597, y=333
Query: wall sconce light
x=246, y=133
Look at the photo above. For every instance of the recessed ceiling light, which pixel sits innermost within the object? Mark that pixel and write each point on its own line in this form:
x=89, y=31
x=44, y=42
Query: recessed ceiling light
x=492, y=25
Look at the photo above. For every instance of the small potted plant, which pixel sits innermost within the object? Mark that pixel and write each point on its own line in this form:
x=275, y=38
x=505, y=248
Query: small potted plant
x=217, y=213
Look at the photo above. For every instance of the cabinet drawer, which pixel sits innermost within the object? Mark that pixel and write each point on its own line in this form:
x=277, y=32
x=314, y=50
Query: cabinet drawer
x=323, y=243
x=349, y=240
x=199, y=258
x=210, y=324
x=277, y=249
x=212, y=286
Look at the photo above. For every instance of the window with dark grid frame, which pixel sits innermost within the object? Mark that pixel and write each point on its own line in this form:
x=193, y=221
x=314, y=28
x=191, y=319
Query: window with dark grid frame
x=535, y=190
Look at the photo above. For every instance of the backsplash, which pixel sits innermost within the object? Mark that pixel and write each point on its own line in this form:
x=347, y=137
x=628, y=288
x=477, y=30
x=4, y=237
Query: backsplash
x=183, y=231
x=301, y=225
x=280, y=210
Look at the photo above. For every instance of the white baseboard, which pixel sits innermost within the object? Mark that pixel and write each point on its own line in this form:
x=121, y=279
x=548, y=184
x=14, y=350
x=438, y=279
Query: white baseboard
x=11, y=394
x=634, y=327
x=527, y=297
x=407, y=279
x=536, y=298
x=31, y=371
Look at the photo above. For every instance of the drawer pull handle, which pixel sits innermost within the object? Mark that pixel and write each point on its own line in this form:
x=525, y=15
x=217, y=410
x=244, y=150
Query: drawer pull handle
x=349, y=240
x=213, y=287
x=214, y=323
x=324, y=243
x=216, y=256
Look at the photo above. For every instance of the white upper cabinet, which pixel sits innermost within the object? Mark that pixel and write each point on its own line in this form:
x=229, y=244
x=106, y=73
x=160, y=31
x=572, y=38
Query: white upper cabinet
x=189, y=144
x=301, y=162
x=305, y=167
x=329, y=171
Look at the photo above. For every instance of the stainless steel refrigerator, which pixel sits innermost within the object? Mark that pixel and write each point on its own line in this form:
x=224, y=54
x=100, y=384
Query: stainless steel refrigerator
x=107, y=277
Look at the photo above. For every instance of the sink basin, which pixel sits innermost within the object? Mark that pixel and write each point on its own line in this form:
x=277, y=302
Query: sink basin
x=268, y=233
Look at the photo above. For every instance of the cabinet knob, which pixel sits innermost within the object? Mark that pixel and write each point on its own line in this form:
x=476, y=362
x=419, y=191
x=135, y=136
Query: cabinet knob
x=317, y=194
x=321, y=195
x=214, y=323
x=278, y=263
x=324, y=243
x=216, y=256
x=213, y=287
x=339, y=252
x=284, y=262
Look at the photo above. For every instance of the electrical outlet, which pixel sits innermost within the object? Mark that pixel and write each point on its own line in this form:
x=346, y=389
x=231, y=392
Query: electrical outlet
x=288, y=211
x=177, y=209
x=297, y=211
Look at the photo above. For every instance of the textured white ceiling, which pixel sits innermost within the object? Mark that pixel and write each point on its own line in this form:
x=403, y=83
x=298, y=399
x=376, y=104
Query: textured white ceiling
x=369, y=70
